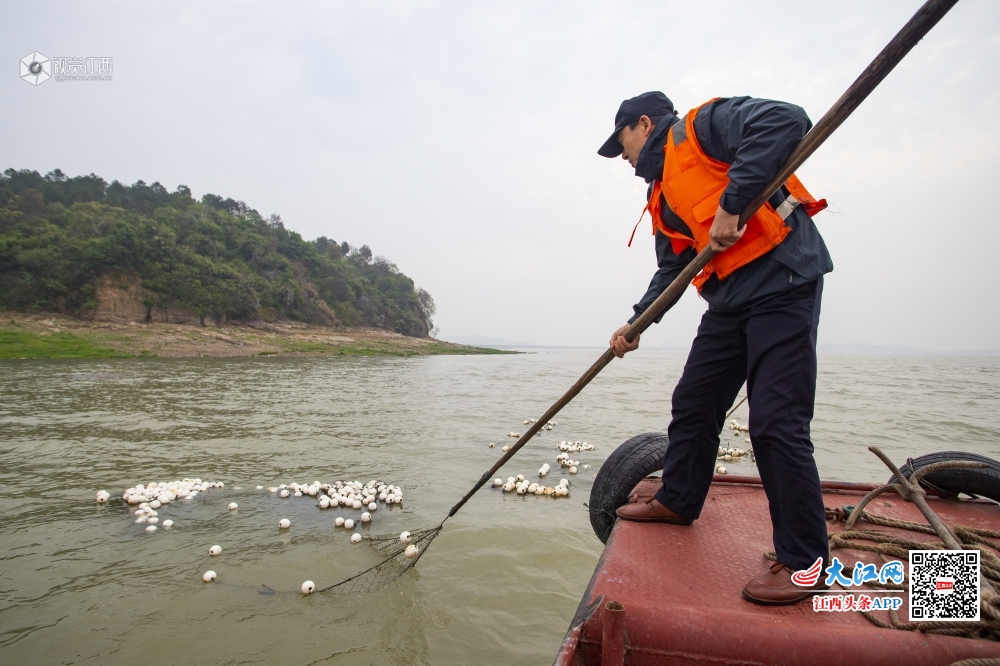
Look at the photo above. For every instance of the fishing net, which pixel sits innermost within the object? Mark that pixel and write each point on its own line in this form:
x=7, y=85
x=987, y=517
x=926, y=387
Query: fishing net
x=395, y=564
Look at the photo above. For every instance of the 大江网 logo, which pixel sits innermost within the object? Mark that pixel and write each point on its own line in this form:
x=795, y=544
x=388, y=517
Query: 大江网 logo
x=808, y=577
x=35, y=68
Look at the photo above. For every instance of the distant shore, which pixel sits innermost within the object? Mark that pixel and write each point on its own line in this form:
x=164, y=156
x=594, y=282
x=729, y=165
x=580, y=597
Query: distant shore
x=58, y=336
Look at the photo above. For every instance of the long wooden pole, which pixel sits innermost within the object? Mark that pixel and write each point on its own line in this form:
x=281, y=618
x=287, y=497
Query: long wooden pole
x=926, y=18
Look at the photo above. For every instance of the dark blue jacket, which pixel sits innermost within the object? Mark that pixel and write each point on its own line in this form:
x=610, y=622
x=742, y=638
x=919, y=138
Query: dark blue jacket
x=755, y=137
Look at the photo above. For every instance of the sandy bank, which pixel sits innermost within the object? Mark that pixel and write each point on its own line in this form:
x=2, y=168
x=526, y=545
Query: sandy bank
x=58, y=336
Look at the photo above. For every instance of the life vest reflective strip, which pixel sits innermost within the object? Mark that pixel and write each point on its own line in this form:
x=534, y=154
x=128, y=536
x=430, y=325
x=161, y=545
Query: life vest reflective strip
x=693, y=184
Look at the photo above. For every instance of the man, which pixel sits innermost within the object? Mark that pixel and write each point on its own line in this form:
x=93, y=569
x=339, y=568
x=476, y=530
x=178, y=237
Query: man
x=763, y=292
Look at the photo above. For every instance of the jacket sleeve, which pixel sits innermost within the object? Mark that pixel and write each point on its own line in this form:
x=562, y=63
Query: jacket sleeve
x=669, y=265
x=755, y=137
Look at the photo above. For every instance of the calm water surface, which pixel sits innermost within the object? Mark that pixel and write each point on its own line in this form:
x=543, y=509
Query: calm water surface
x=82, y=584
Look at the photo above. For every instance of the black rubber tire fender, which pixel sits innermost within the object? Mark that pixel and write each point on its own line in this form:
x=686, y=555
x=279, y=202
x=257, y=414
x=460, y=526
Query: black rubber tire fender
x=636, y=458
x=984, y=482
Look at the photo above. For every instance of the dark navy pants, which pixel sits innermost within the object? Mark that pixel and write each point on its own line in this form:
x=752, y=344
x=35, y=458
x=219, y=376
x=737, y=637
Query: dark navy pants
x=771, y=346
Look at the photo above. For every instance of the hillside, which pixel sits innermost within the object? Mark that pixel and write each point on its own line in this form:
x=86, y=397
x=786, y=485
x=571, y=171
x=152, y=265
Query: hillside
x=83, y=247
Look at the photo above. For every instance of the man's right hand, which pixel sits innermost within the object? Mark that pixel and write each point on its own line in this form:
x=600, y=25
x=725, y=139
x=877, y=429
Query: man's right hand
x=725, y=230
x=619, y=345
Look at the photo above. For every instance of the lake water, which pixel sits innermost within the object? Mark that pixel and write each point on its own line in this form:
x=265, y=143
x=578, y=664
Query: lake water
x=82, y=584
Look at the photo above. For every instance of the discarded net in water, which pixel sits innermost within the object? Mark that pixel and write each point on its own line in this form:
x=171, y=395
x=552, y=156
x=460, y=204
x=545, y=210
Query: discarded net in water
x=392, y=567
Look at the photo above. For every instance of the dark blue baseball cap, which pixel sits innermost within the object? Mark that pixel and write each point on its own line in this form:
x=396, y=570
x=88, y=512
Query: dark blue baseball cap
x=652, y=104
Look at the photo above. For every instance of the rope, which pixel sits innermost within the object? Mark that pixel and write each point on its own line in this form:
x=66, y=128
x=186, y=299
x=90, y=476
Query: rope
x=887, y=545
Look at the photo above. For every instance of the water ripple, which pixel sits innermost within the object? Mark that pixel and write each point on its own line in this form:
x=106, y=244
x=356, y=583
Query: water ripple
x=84, y=584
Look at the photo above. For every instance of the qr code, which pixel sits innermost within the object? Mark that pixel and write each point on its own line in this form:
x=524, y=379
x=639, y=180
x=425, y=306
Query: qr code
x=944, y=585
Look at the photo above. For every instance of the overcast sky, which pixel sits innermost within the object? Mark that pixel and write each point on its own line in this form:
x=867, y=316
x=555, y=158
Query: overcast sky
x=458, y=140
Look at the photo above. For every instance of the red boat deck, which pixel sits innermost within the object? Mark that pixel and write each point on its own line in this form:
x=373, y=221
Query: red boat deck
x=680, y=588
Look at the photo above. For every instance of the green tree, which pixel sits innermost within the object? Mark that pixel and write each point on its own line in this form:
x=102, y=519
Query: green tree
x=59, y=236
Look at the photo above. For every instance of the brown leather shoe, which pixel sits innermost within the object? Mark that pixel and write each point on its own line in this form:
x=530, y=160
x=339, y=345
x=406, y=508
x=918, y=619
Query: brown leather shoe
x=774, y=587
x=650, y=511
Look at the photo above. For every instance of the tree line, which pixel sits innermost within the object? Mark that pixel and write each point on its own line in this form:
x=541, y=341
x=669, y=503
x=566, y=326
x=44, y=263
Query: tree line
x=217, y=257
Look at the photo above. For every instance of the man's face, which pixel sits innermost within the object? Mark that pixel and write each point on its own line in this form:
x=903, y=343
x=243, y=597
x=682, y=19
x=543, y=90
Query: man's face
x=633, y=139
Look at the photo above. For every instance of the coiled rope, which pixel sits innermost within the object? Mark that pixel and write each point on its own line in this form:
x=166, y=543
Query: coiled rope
x=886, y=545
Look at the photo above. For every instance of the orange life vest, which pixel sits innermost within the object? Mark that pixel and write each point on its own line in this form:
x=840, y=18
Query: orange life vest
x=693, y=184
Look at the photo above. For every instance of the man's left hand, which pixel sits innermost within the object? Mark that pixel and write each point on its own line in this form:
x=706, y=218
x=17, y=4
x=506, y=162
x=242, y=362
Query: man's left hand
x=725, y=232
